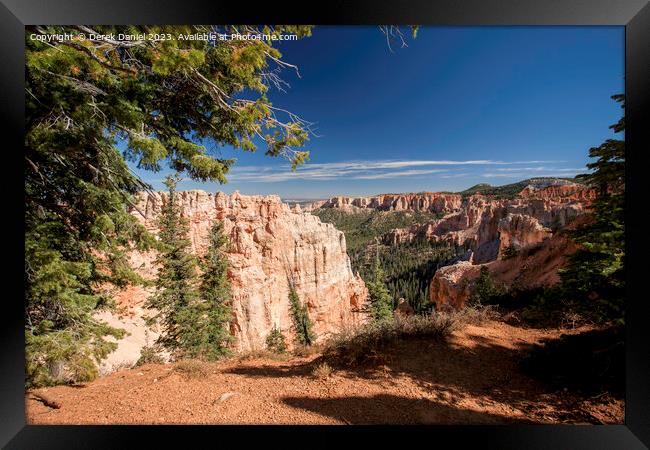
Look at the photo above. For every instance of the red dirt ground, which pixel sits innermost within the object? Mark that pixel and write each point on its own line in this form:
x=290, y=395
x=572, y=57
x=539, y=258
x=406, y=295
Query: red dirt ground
x=471, y=378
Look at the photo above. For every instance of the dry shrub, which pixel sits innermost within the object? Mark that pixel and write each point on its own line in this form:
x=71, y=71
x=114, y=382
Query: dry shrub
x=306, y=350
x=476, y=315
x=322, y=371
x=192, y=368
x=262, y=354
x=355, y=344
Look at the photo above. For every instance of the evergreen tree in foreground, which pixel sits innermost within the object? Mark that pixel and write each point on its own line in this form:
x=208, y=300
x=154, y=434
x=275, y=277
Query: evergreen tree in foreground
x=177, y=280
x=210, y=317
x=158, y=99
x=594, y=280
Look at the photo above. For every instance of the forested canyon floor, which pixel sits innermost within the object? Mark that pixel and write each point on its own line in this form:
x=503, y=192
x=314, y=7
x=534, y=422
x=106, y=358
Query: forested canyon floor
x=471, y=377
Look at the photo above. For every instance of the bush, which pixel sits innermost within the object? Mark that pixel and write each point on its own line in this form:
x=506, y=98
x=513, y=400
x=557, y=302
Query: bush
x=275, y=341
x=302, y=324
x=191, y=368
x=476, y=315
x=510, y=252
x=485, y=289
x=322, y=371
x=149, y=355
x=353, y=345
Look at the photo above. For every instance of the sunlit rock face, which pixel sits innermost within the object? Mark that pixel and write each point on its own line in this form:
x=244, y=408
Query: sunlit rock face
x=270, y=244
x=496, y=229
x=435, y=202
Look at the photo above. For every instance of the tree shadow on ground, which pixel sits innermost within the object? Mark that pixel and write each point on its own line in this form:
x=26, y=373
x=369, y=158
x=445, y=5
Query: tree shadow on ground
x=480, y=369
x=393, y=409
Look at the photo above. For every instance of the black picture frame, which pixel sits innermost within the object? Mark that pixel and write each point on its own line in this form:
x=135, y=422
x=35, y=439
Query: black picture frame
x=633, y=14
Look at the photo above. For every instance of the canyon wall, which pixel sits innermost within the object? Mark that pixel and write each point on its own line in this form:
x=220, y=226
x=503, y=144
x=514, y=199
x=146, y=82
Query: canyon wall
x=516, y=238
x=270, y=244
x=489, y=225
x=435, y=202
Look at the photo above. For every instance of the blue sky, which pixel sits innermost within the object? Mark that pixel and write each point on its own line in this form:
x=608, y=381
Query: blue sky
x=457, y=107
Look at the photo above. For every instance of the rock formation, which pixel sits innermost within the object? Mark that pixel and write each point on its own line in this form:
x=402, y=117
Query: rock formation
x=489, y=225
x=436, y=202
x=515, y=238
x=270, y=244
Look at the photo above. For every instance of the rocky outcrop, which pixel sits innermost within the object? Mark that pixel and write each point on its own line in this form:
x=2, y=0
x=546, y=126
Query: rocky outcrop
x=533, y=266
x=436, y=202
x=451, y=285
x=270, y=244
x=515, y=238
x=489, y=225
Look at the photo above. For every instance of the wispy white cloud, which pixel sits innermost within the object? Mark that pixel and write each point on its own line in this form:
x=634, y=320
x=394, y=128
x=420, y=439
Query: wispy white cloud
x=527, y=174
x=402, y=173
x=358, y=170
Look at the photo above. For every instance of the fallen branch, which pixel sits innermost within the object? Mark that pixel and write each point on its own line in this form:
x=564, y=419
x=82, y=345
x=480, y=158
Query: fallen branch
x=47, y=401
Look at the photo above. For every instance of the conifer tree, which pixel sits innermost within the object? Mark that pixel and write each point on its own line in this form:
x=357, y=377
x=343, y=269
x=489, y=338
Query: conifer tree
x=160, y=100
x=275, y=341
x=177, y=279
x=380, y=304
x=300, y=315
x=593, y=281
x=208, y=333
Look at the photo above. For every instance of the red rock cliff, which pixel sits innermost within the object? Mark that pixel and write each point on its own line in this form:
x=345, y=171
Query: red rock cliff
x=269, y=241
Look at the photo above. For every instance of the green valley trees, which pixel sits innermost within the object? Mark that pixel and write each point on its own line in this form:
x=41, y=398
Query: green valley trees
x=93, y=104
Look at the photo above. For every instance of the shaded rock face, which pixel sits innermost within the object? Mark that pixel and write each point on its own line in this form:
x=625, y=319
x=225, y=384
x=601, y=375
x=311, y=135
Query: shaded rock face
x=270, y=245
x=435, y=202
x=492, y=228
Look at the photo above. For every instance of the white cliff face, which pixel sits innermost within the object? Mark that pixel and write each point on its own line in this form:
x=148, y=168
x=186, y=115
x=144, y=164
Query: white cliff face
x=270, y=244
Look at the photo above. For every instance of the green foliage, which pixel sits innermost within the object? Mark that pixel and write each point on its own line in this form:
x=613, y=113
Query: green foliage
x=302, y=324
x=485, y=289
x=213, y=313
x=408, y=268
x=593, y=282
x=380, y=302
x=510, y=252
x=163, y=100
x=149, y=355
x=363, y=226
x=177, y=280
x=194, y=312
x=275, y=341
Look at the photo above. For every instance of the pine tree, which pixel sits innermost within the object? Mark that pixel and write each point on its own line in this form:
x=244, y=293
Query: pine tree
x=380, y=304
x=485, y=289
x=177, y=280
x=156, y=99
x=300, y=316
x=209, y=320
x=593, y=281
x=275, y=341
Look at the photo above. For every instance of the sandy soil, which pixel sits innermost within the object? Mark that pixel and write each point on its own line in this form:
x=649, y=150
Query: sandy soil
x=471, y=378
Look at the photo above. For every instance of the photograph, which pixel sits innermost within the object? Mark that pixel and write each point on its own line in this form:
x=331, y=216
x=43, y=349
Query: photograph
x=324, y=225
